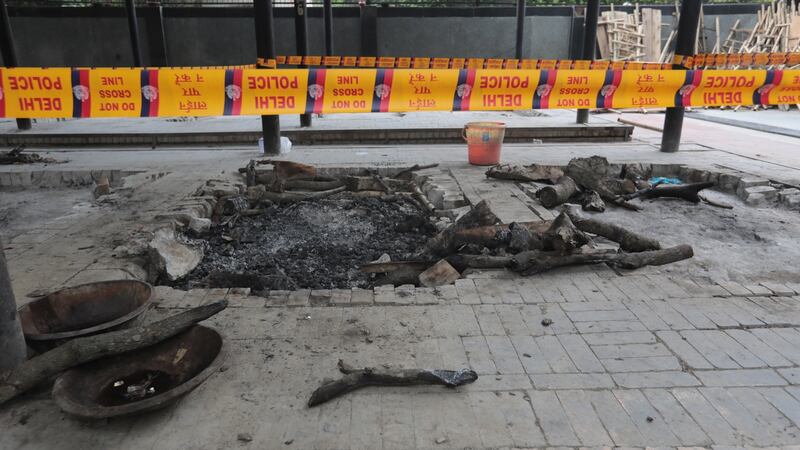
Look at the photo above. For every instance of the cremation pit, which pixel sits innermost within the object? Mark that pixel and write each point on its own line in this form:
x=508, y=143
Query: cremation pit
x=315, y=244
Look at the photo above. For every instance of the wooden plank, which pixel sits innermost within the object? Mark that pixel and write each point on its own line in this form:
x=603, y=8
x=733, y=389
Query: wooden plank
x=651, y=18
x=602, y=41
x=794, y=33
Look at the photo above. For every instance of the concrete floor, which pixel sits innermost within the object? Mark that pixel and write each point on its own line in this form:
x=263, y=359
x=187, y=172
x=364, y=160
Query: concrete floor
x=713, y=364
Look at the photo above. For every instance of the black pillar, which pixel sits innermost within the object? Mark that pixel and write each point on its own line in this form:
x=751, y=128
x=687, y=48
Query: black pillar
x=265, y=47
x=589, y=43
x=684, y=46
x=133, y=28
x=520, y=28
x=9, y=52
x=301, y=38
x=369, y=30
x=156, y=51
x=328, y=13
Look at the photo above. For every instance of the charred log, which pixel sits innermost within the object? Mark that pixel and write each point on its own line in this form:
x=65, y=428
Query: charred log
x=562, y=236
x=358, y=378
x=687, y=192
x=533, y=262
x=534, y=172
x=552, y=196
x=627, y=240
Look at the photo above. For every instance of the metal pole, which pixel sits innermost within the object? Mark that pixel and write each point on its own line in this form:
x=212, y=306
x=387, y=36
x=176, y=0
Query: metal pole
x=133, y=27
x=163, y=34
x=684, y=46
x=589, y=43
x=520, y=28
x=265, y=47
x=12, y=342
x=9, y=52
x=301, y=38
x=328, y=11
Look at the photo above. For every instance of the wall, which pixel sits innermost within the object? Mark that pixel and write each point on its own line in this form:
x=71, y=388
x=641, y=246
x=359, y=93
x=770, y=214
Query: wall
x=488, y=37
x=225, y=35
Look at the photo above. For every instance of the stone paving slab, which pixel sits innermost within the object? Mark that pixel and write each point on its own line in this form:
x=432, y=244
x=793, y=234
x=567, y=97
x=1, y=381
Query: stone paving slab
x=710, y=382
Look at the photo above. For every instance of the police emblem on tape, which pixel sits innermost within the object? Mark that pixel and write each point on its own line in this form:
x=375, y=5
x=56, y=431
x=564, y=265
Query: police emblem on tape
x=233, y=92
x=81, y=92
x=382, y=91
x=608, y=90
x=150, y=93
x=463, y=90
x=543, y=90
x=315, y=91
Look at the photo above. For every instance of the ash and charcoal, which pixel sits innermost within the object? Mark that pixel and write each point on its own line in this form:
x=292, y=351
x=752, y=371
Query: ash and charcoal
x=135, y=387
x=316, y=244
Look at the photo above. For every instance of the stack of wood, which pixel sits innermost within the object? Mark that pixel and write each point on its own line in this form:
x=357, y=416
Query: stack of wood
x=630, y=37
x=289, y=182
x=477, y=241
x=777, y=29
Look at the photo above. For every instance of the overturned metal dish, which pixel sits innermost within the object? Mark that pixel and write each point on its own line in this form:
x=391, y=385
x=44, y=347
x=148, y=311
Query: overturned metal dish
x=84, y=309
x=142, y=380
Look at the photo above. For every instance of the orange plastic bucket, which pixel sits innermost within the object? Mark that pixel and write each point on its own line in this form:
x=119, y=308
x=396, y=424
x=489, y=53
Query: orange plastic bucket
x=484, y=142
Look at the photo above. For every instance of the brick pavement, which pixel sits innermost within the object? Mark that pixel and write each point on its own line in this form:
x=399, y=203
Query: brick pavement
x=632, y=361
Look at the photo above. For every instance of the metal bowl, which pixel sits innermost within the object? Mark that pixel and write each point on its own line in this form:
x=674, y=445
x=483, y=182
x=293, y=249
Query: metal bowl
x=84, y=309
x=142, y=380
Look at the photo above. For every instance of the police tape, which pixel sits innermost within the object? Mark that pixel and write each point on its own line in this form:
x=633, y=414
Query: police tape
x=391, y=62
x=719, y=60
x=65, y=92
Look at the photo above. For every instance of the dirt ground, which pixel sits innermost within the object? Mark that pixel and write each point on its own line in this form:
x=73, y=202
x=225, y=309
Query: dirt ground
x=23, y=210
x=313, y=244
x=740, y=244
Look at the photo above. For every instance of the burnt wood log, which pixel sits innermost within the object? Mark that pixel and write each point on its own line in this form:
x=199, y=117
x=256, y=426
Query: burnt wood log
x=494, y=236
x=358, y=378
x=480, y=215
x=533, y=262
x=82, y=350
x=684, y=191
x=562, y=236
x=391, y=266
x=312, y=184
x=593, y=202
x=251, y=175
x=520, y=238
x=552, y=196
x=298, y=196
x=421, y=198
x=616, y=201
x=589, y=172
x=534, y=172
x=462, y=262
x=375, y=183
x=627, y=240
x=408, y=173
x=399, y=277
x=596, y=174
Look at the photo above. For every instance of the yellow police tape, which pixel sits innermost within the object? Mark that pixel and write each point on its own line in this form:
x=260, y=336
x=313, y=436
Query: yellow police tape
x=65, y=92
x=708, y=60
